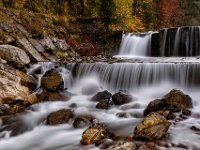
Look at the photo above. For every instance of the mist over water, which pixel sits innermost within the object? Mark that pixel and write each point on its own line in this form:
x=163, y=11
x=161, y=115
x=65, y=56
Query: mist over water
x=145, y=78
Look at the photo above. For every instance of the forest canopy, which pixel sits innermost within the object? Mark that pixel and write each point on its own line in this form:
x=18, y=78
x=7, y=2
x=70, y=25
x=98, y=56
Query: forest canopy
x=129, y=15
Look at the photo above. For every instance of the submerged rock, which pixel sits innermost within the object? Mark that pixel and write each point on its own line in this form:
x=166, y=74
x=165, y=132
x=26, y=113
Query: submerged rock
x=83, y=121
x=104, y=104
x=14, y=55
x=126, y=146
x=60, y=117
x=153, y=127
x=104, y=95
x=95, y=133
x=121, y=98
x=52, y=80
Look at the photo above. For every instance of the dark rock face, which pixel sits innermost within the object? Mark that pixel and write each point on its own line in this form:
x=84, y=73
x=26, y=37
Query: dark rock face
x=121, y=98
x=60, y=117
x=104, y=95
x=83, y=121
x=95, y=133
x=153, y=127
x=178, y=99
x=104, y=104
x=52, y=80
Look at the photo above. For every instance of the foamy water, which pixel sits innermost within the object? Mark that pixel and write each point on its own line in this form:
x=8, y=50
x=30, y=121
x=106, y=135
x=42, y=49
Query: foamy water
x=62, y=137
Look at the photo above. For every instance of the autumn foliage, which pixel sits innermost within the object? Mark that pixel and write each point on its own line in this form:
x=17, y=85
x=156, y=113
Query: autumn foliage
x=168, y=13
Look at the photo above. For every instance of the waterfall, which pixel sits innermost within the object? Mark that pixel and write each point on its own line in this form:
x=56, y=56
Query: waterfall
x=181, y=41
x=135, y=44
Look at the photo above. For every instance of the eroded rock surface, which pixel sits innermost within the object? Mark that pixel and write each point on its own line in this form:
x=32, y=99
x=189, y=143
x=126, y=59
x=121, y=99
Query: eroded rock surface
x=153, y=127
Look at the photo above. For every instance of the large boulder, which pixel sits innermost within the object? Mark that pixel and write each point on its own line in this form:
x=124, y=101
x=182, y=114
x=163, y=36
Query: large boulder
x=14, y=55
x=95, y=133
x=52, y=80
x=174, y=101
x=153, y=127
x=60, y=117
x=104, y=95
x=122, y=97
x=179, y=99
x=11, y=90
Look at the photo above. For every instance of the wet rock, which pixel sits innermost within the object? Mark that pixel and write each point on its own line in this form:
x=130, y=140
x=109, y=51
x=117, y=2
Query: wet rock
x=154, y=106
x=14, y=124
x=148, y=146
x=60, y=117
x=104, y=104
x=52, y=81
x=95, y=133
x=179, y=99
x=52, y=96
x=104, y=95
x=105, y=144
x=15, y=56
x=153, y=127
x=83, y=121
x=126, y=146
x=26, y=80
x=122, y=115
x=121, y=98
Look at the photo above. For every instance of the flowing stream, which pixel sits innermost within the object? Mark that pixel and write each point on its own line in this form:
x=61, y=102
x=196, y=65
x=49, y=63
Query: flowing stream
x=145, y=78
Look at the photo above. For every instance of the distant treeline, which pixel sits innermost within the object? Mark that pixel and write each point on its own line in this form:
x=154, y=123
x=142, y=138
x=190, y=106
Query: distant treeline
x=129, y=15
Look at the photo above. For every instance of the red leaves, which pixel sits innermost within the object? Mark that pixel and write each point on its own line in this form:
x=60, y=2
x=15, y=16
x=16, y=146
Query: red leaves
x=168, y=12
x=85, y=48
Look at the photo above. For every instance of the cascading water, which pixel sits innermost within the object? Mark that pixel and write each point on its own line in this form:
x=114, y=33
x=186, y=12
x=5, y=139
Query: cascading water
x=182, y=41
x=145, y=78
x=135, y=44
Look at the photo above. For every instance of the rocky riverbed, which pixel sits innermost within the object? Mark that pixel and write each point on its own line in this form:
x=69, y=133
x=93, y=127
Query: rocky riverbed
x=39, y=112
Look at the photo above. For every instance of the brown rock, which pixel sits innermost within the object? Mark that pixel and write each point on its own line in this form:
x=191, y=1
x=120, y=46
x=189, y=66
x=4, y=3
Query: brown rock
x=60, y=117
x=95, y=133
x=52, y=81
x=11, y=90
x=126, y=146
x=14, y=55
x=153, y=127
x=83, y=121
x=104, y=95
x=104, y=104
x=52, y=96
x=121, y=98
x=27, y=80
x=178, y=99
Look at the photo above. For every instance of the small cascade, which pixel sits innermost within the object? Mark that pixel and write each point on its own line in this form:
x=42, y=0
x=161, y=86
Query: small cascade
x=182, y=41
x=135, y=44
x=133, y=75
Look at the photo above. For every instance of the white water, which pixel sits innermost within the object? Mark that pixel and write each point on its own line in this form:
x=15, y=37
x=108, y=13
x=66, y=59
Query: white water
x=65, y=137
x=184, y=42
x=135, y=44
